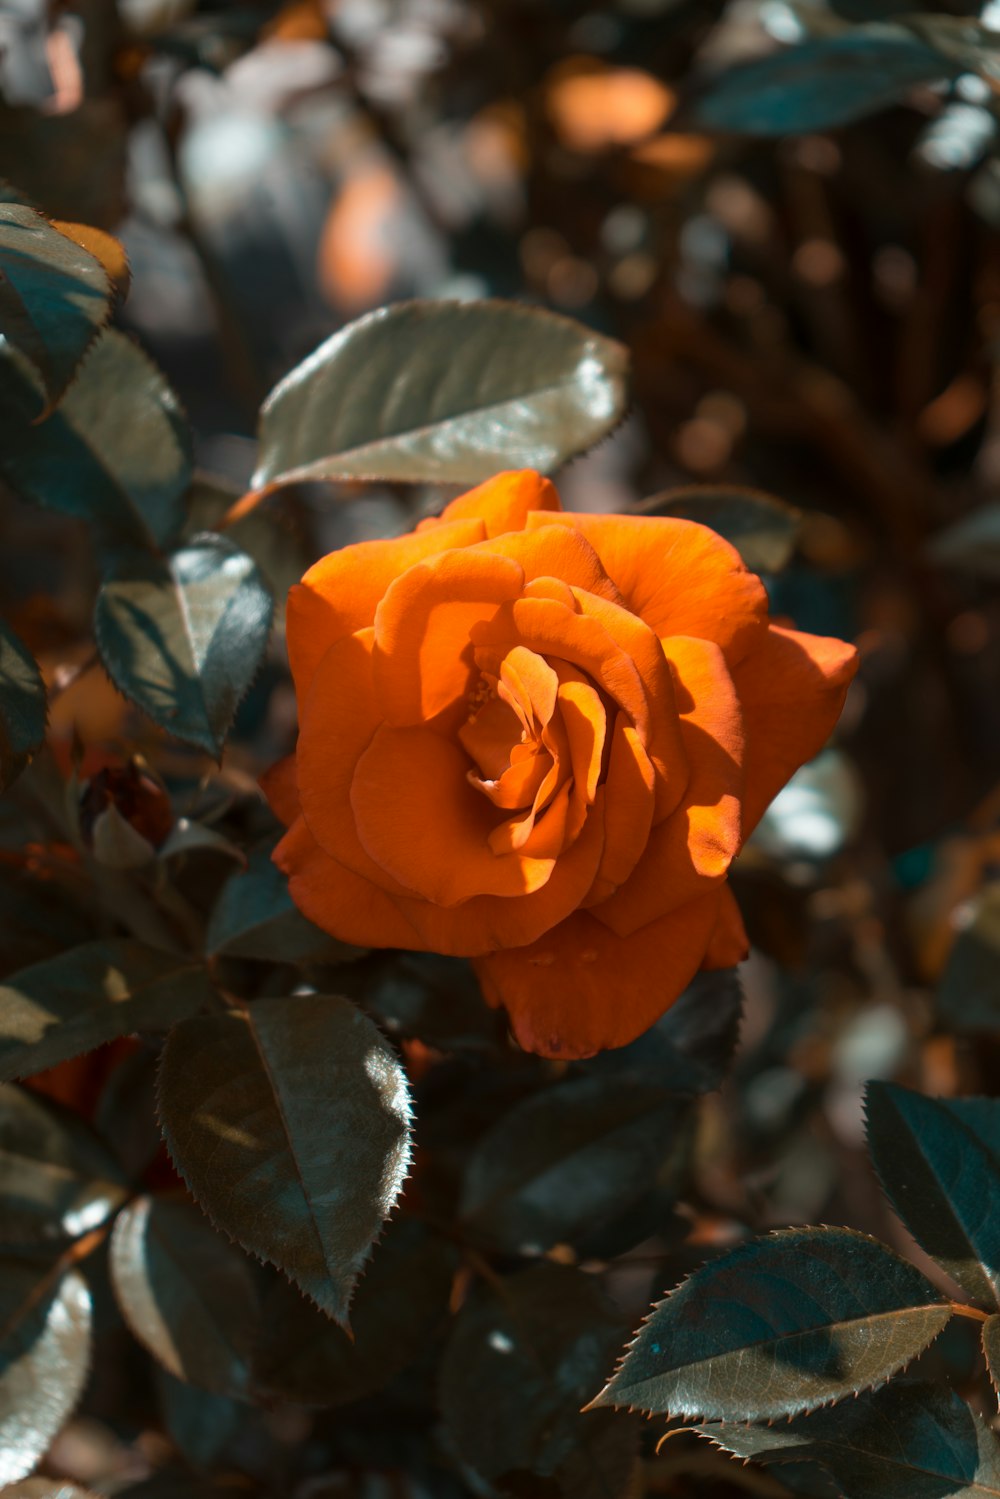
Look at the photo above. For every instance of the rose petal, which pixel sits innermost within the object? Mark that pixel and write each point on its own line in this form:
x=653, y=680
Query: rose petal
x=502, y=503
x=557, y=555
x=342, y=591
x=792, y=691
x=280, y=786
x=422, y=659
x=678, y=576
x=628, y=818
x=339, y=901
x=728, y=944
x=692, y=850
x=580, y=988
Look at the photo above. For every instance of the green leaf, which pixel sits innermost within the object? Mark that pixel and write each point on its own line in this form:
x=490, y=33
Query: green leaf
x=570, y=1157
x=523, y=1357
x=201, y=1425
x=54, y=296
x=67, y=1005
x=182, y=636
x=942, y=1180
x=969, y=992
x=448, y=392
x=290, y=1123
x=779, y=1325
x=115, y=452
x=762, y=529
x=255, y=917
x=823, y=82
x=22, y=706
x=908, y=1441
x=56, y=1181
x=435, y=998
x=401, y=1300
x=689, y=1049
x=188, y=1294
x=991, y=1350
x=44, y=1357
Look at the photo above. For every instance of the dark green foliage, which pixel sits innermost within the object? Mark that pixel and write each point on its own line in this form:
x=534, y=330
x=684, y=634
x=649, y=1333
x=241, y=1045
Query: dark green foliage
x=44, y=1356
x=188, y=1295
x=909, y=1441
x=54, y=297
x=290, y=1124
x=183, y=635
x=778, y=1326
x=442, y=391
x=943, y=1180
x=57, y=1182
x=254, y=917
x=22, y=706
x=63, y=1006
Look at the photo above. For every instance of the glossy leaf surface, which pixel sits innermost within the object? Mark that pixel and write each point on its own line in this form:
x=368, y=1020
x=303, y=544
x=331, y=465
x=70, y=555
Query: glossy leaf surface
x=70, y=1004
x=54, y=296
x=22, y=706
x=56, y=1181
x=777, y=1326
x=44, y=1356
x=522, y=1359
x=290, y=1123
x=447, y=392
x=187, y=1293
x=943, y=1180
x=182, y=636
x=567, y=1159
x=115, y=452
x=823, y=82
x=908, y=1441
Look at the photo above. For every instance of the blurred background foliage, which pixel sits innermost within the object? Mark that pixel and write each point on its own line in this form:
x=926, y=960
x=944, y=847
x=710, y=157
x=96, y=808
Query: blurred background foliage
x=787, y=212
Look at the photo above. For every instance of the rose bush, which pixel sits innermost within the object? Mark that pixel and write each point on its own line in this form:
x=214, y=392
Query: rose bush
x=538, y=739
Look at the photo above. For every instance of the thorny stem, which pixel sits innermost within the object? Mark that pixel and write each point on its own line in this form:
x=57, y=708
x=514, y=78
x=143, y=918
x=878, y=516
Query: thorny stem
x=962, y=1309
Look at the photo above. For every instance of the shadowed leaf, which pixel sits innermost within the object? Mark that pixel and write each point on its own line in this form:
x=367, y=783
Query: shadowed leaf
x=908, y=1441
x=523, y=1357
x=290, y=1124
x=22, y=706
x=67, y=1005
x=822, y=82
x=56, y=1181
x=255, y=917
x=448, y=392
x=44, y=1357
x=201, y=1425
x=762, y=529
x=435, y=998
x=115, y=452
x=401, y=1299
x=567, y=1159
x=689, y=1049
x=943, y=1181
x=777, y=1326
x=186, y=1292
x=182, y=636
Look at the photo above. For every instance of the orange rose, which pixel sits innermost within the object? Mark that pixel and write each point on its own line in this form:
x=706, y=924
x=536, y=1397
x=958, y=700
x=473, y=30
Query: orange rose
x=538, y=740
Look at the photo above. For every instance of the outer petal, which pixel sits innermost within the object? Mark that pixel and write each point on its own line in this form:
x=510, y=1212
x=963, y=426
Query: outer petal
x=692, y=850
x=792, y=690
x=681, y=578
x=280, y=786
x=728, y=944
x=503, y=503
x=556, y=553
x=581, y=989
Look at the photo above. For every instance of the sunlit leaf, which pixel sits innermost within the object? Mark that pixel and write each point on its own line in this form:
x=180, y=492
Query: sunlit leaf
x=182, y=636
x=779, y=1325
x=991, y=1349
x=255, y=917
x=290, y=1123
x=908, y=1441
x=822, y=82
x=943, y=1181
x=448, y=392
x=567, y=1159
x=22, y=706
x=54, y=297
x=522, y=1359
x=63, y=1006
x=762, y=529
x=44, y=1358
x=187, y=1293
x=56, y=1181
x=115, y=452
x=401, y=1300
